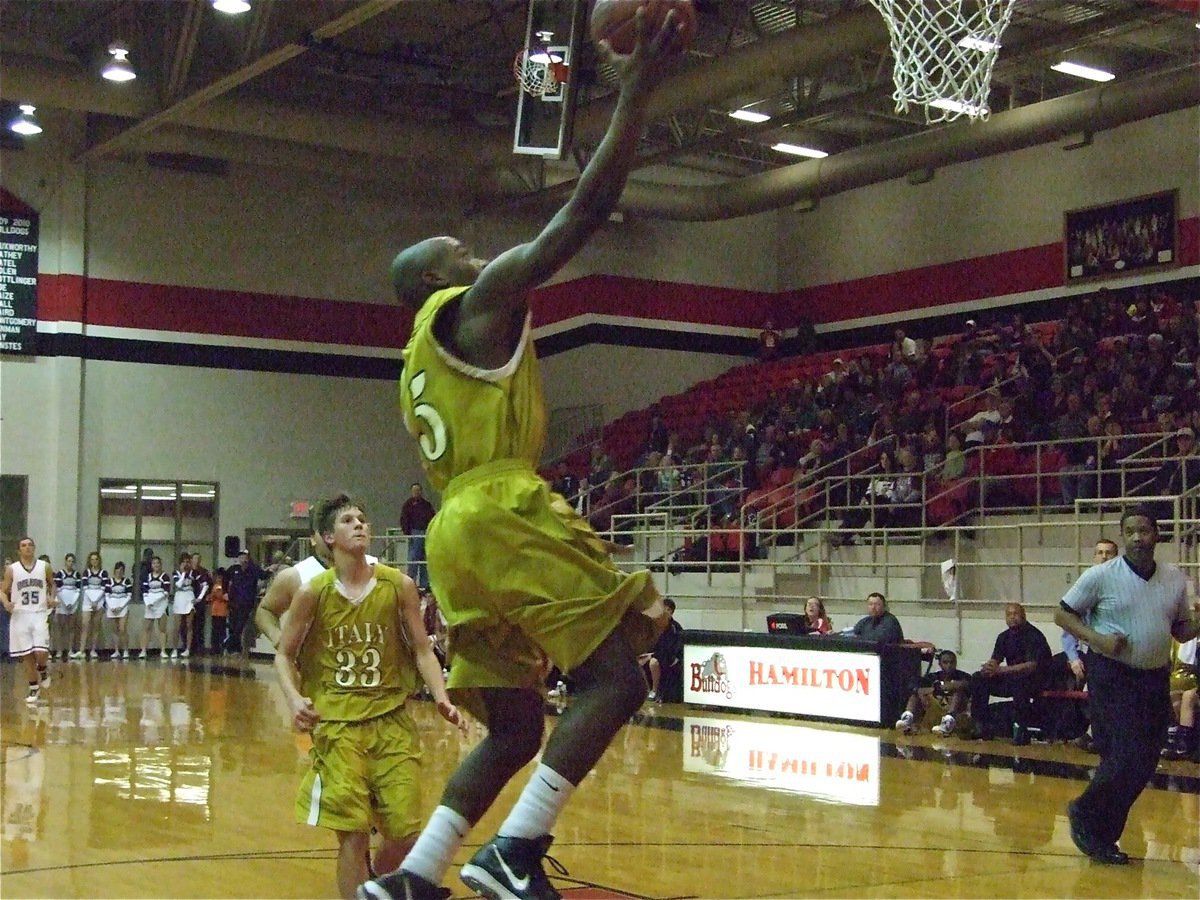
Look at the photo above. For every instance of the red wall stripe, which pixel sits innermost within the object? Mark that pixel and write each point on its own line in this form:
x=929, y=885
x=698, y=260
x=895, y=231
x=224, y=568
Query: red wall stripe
x=256, y=315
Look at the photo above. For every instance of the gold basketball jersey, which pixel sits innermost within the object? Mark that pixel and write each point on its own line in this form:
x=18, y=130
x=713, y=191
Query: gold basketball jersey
x=463, y=416
x=355, y=662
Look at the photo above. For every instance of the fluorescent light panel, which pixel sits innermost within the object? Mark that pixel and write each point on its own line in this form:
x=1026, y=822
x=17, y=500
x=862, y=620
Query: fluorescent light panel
x=797, y=150
x=1081, y=71
x=231, y=7
x=749, y=115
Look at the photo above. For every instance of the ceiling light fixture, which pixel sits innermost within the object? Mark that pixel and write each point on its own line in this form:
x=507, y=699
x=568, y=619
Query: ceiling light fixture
x=797, y=150
x=118, y=68
x=983, y=45
x=1081, y=71
x=749, y=115
x=25, y=124
x=231, y=7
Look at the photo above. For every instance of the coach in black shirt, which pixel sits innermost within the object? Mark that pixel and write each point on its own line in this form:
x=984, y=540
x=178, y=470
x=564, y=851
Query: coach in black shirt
x=878, y=624
x=1016, y=669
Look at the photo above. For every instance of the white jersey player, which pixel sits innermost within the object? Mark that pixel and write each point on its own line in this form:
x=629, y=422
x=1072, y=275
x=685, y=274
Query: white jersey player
x=27, y=591
x=283, y=587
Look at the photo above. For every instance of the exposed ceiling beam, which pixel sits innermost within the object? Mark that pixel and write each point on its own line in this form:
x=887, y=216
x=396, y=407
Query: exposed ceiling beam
x=355, y=17
x=185, y=49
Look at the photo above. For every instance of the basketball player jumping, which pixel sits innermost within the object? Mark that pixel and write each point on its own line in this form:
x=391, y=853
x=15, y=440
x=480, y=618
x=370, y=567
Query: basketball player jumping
x=519, y=575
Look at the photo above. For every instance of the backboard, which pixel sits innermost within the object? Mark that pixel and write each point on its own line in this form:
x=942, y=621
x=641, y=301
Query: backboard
x=553, y=28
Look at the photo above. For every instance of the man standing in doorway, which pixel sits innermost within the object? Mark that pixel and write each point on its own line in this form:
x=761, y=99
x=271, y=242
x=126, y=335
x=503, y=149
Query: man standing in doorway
x=1126, y=610
x=415, y=516
x=242, y=587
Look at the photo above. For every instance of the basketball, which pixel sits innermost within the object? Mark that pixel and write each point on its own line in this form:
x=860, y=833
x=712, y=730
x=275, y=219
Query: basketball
x=613, y=20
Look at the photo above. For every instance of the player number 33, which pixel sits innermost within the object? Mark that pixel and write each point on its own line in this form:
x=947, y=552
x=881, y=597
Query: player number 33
x=357, y=671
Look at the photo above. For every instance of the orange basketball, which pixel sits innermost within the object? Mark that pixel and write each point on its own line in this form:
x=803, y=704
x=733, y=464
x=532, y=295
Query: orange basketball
x=612, y=20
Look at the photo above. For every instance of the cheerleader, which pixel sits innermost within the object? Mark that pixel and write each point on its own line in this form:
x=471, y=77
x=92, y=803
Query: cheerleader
x=95, y=586
x=116, y=603
x=183, y=602
x=156, y=589
x=65, y=623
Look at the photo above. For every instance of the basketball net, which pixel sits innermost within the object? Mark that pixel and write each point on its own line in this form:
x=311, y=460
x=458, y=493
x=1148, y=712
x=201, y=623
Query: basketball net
x=539, y=74
x=944, y=51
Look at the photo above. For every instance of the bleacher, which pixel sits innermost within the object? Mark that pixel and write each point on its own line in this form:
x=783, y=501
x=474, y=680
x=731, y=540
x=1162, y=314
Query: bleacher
x=786, y=540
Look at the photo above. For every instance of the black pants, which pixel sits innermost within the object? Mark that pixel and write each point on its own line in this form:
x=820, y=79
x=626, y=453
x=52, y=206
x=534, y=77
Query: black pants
x=239, y=618
x=199, y=612
x=1022, y=688
x=220, y=631
x=1131, y=712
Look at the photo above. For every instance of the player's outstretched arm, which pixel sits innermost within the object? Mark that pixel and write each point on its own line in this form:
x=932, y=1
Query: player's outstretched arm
x=500, y=291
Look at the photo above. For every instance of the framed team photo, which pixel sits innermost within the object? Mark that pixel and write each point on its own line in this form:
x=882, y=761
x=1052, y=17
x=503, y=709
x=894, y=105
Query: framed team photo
x=1118, y=238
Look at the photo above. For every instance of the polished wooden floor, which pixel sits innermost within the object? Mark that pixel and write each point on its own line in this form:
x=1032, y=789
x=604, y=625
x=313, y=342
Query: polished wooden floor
x=158, y=779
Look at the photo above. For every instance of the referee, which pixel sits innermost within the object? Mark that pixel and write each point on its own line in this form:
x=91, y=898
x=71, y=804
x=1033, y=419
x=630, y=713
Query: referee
x=1132, y=606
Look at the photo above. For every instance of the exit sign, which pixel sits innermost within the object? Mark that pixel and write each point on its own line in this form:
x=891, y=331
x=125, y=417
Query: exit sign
x=300, y=509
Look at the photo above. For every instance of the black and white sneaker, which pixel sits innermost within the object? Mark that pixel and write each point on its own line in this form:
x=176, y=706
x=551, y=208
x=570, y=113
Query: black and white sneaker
x=401, y=885
x=509, y=868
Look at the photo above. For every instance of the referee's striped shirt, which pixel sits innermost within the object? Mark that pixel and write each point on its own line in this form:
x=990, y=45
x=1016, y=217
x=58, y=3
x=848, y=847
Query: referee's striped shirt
x=1116, y=600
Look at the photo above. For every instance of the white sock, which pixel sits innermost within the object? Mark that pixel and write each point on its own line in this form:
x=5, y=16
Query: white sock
x=539, y=805
x=435, y=847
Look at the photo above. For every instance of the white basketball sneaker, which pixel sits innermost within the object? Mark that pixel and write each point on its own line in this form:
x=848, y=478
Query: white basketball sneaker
x=945, y=727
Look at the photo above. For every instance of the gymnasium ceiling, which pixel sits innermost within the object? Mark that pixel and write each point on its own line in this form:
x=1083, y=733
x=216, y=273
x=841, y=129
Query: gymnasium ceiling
x=420, y=93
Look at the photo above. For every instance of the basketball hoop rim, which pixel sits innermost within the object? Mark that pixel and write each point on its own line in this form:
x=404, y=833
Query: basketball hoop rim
x=555, y=74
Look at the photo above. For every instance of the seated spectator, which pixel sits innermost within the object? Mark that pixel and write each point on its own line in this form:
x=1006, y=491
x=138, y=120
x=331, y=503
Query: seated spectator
x=1016, y=669
x=955, y=465
x=659, y=437
x=1181, y=742
x=768, y=342
x=1183, y=671
x=947, y=687
x=1113, y=448
x=664, y=664
x=564, y=481
x=933, y=453
x=582, y=501
x=1179, y=473
x=902, y=342
x=1077, y=479
x=905, y=498
x=874, y=507
x=600, y=466
x=878, y=624
x=816, y=620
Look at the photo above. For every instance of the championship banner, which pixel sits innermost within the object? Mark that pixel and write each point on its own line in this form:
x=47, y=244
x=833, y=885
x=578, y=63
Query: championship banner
x=827, y=765
x=18, y=281
x=826, y=684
